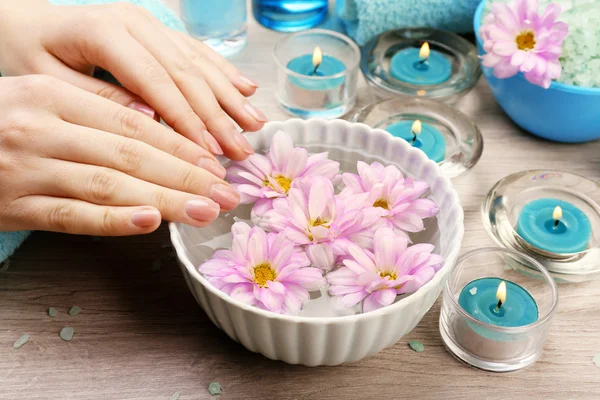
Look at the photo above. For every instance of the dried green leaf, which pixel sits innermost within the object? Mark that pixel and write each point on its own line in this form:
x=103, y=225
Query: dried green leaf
x=52, y=312
x=175, y=396
x=596, y=360
x=74, y=310
x=416, y=346
x=66, y=333
x=21, y=341
x=215, y=388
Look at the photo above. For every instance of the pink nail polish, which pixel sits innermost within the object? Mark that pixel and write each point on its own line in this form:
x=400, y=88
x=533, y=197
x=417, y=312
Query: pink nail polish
x=242, y=142
x=212, y=143
x=143, y=108
x=248, y=81
x=255, y=112
x=145, y=218
x=213, y=167
x=202, y=210
x=225, y=195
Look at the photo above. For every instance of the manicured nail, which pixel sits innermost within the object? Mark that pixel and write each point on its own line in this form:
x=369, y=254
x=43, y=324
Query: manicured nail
x=248, y=81
x=255, y=112
x=202, y=210
x=213, y=167
x=143, y=108
x=212, y=144
x=225, y=195
x=145, y=218
x=243, y=143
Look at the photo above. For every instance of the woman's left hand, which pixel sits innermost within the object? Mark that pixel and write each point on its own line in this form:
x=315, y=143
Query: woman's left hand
x=192, y=88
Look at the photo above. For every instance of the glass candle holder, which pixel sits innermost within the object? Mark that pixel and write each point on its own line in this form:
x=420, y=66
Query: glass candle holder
x=391, y=64
x=518, y=211
x=221, y=24
x=510, y=338
x=307, y=91
x=448, y=136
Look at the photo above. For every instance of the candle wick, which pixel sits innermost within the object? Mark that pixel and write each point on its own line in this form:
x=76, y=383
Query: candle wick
x=414, y=139
x=556, y=222
x=423, y=61
x=499, y=305
x=316, y=68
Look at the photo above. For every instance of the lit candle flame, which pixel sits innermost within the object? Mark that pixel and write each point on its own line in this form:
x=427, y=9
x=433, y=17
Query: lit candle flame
x=317, y=57
x=557, y=213
x=416, y=127
x=424, y=52
x=501, y=293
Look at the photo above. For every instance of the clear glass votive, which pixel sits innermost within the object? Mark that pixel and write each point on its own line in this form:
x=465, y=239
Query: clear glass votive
x=221, y=24
x=503, y=207
x=462, y=139
x=486, y=345
x=331, y=92
x=454, y=55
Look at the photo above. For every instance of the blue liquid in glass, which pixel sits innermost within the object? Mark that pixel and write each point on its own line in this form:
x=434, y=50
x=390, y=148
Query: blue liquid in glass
x=289, y=15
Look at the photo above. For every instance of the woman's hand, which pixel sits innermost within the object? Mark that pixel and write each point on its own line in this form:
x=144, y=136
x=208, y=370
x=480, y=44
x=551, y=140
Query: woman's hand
x=78, y=163
x=192, y=88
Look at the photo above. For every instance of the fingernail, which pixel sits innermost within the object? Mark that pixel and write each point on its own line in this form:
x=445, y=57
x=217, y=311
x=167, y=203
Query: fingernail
x=202, y=210
x=248, y=81
x=143, y=108
x=242, y=142
x=225, y=195
x=145, y=218
x=255, y=112
x=213, y=167
x=212, y=144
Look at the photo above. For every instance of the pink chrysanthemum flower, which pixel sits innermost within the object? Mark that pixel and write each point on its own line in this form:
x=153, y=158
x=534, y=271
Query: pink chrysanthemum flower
x=260, y=179
x=395, y=198
x=264, y=270
x=378, y=277
x=517, y=39
x=322, y=223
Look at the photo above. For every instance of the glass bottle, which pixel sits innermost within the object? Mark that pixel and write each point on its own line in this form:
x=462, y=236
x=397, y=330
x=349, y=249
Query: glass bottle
x=289, y=15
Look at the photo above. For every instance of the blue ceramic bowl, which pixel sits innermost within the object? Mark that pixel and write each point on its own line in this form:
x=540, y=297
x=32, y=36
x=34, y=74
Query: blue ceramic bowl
x=563, y=113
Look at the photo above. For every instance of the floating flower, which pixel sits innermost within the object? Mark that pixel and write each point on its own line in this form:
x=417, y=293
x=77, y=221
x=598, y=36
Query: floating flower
x=262, y=178
x=264, y=270
x=516, y=38
x=377, y=277
x=395, y=198
x=324, y=224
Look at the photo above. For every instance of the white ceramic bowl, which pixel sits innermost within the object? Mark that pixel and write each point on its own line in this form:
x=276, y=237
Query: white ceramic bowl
x=335, y=340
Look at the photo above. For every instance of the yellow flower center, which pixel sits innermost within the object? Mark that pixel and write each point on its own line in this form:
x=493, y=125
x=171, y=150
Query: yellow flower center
x=316, y=222
x=283, y=182
x=264, y=273
x=391, y=275
x=382, y=203
x=526, y=40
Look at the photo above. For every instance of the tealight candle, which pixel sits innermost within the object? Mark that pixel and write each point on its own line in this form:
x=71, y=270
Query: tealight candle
x=556, y=226
x=317, y=65
x=498, y=302
x=424, y=137
x=420, y=66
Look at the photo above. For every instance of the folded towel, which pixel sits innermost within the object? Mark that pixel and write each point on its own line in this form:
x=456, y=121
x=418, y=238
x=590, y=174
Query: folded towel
x=10, y=241
x=365, y=19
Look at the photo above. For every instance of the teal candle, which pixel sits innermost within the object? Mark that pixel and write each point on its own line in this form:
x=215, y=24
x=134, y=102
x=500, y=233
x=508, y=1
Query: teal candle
x=415, y=66
x=430, y=140
x=570, y=233
x=329, y=66
x=479, y=299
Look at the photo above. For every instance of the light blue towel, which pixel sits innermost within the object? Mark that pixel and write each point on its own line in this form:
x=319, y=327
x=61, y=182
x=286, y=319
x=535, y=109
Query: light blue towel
x=365, y=19
x=10, y=241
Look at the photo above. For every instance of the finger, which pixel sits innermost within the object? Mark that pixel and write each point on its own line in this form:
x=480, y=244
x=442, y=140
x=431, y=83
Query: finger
x=245, y=85
x=140, y=160
x=119, y=95
x=189, y=79
x=85, y=109
x=79, y=217
x=104, y=186
x=229, y=97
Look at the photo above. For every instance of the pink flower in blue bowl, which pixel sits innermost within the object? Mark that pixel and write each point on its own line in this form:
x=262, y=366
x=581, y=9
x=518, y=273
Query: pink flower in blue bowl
x=520, y=50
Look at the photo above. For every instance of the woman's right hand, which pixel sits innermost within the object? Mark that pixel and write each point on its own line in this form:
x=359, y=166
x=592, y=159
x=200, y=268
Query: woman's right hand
x=75, y=162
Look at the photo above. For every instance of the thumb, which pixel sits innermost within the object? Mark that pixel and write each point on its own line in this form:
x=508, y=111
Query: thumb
x=104, y=89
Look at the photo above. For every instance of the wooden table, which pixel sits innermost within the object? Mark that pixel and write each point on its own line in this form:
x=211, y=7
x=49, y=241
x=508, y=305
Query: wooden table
x=141, y=335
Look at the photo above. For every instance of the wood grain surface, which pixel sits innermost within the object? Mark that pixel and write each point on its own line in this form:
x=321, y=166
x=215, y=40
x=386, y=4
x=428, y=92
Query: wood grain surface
x=140, y=334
